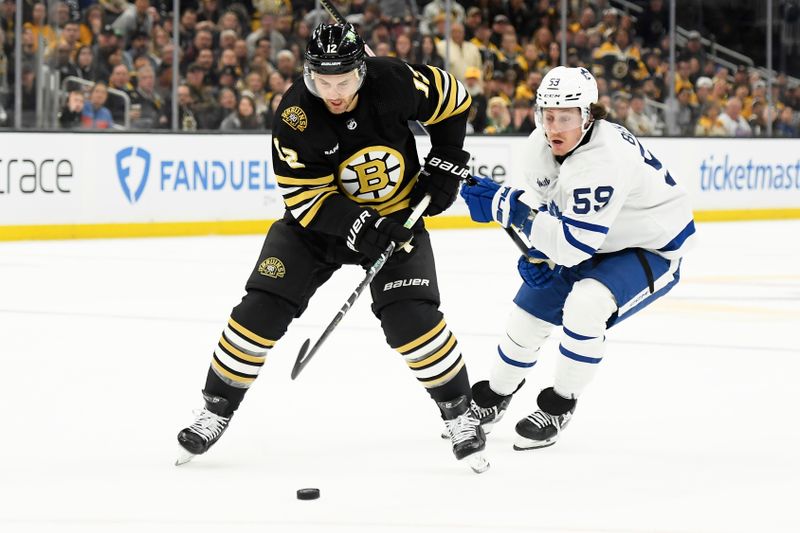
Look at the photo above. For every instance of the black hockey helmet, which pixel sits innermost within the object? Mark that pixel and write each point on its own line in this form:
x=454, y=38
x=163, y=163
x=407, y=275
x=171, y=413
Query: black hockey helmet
x=333, y=49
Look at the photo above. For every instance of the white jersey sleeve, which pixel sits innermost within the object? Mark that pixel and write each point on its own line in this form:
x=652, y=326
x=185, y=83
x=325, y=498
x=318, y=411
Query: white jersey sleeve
x=610, y=194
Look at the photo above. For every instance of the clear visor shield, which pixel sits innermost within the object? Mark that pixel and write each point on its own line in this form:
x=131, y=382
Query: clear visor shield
x=334, y=86
x=559, y=120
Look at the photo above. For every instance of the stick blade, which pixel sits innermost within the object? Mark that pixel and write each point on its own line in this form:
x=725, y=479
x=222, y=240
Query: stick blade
x=301, y=360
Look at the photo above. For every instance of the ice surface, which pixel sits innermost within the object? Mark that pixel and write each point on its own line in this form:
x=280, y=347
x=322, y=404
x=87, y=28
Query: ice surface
x=690, y=425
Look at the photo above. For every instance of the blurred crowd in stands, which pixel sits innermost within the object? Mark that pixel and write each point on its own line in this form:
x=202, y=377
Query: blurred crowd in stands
x=236, y=59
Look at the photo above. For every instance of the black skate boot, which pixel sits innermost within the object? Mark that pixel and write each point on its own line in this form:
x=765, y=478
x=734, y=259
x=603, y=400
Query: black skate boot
x=489, y=406
x=206, y=429
x=542, y=428
x=465, y=433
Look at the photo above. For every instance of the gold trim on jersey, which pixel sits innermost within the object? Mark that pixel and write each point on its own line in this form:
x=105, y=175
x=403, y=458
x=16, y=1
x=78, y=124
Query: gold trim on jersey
x=304, y=196
x=420, y=81
x=292, y=200
x=451, y=93
x=286, y=181
x=309, y=215
x=383, y=211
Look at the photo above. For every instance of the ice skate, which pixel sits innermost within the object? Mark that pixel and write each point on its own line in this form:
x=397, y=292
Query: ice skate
x=541, y=428
x=488, y=406
x=465, y=433
x=207, y=428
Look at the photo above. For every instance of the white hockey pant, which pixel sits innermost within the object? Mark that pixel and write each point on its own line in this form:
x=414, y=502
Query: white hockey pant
x=586, y=310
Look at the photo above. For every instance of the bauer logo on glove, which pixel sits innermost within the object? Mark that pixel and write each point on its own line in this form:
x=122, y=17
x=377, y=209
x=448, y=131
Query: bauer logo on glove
x=440, y=177
x=458, y=171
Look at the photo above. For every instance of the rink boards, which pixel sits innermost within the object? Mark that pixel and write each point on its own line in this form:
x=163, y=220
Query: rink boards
x=79, y=185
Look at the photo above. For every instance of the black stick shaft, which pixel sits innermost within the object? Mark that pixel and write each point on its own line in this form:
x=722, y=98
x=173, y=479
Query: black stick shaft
x=303, y=358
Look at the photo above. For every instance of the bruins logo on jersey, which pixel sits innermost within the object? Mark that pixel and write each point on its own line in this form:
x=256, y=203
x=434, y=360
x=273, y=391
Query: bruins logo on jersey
x=372, y=173
x=295, y=117
x=272, y=267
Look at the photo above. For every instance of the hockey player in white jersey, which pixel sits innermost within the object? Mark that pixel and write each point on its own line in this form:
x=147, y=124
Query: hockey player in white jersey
x=608, y=226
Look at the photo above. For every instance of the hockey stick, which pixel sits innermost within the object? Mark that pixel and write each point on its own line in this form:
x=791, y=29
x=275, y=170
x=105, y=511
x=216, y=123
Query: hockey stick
x=305, y=354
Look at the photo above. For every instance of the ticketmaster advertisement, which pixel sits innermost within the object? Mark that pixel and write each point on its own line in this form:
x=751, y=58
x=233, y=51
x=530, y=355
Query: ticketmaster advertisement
x=194, y=184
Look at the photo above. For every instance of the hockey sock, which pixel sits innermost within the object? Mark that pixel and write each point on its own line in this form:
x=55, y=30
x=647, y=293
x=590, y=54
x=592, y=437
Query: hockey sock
x=428, y=346
x=254, y=327
x=518, y=350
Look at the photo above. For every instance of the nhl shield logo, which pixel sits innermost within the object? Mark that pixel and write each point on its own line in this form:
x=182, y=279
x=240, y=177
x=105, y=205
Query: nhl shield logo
x=272, y=267
x=133, y=168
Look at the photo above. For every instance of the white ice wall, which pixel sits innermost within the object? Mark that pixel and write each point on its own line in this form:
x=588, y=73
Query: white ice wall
x=112, y=184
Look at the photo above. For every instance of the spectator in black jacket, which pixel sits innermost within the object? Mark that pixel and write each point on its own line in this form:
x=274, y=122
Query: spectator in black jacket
x=69, y=118
x=652, y=24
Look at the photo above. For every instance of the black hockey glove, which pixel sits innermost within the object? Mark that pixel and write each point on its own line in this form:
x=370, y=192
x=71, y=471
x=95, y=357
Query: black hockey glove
x=370, y=233
x=441, y=176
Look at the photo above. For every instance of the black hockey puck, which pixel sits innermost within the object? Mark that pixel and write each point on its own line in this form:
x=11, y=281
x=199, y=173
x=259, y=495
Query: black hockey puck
x=307, y=494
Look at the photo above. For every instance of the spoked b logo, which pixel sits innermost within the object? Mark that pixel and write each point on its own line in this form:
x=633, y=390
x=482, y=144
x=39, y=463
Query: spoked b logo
x=133, y=167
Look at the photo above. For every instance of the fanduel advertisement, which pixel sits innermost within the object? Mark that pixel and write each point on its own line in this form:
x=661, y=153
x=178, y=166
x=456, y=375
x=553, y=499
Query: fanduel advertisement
x=138, y=169
x=52, y=179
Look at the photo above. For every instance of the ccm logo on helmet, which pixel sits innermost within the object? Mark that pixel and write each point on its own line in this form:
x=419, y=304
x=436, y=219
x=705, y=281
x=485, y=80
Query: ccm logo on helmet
x=406, y=283
x=447, y=166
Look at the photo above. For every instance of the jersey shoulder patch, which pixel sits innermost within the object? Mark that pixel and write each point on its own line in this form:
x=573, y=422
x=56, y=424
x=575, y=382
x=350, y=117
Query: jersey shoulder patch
x=295, y=117
x=295, y=112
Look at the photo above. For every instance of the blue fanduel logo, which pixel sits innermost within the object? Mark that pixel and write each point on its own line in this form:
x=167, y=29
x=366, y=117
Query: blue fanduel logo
x=133, y=167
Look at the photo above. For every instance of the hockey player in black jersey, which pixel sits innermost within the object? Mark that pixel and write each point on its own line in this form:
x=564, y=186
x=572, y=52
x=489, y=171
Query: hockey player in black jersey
x=347, y=166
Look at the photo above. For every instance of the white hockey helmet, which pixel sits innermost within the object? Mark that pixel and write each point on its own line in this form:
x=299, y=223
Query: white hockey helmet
x=567, y=87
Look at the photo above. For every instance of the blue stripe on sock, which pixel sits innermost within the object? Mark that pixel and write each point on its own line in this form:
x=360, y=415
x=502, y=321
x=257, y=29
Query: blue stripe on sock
x=512, y=362
x=577, y=336
x=579, y=358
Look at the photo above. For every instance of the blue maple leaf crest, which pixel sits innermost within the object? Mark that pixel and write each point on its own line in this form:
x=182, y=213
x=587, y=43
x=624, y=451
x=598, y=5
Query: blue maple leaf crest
x=554, y=210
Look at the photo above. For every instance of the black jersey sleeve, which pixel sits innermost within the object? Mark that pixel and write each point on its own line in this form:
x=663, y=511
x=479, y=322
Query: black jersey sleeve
x=441, y=103
x=306, y=179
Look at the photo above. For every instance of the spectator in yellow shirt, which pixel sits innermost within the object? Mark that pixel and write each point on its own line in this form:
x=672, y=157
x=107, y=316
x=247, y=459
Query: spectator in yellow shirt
x=709, y=124
x=38, y=26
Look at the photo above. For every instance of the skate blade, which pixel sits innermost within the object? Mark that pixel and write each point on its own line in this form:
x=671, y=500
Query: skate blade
x=522, y=444
x=184, y=458
x=477, y=462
